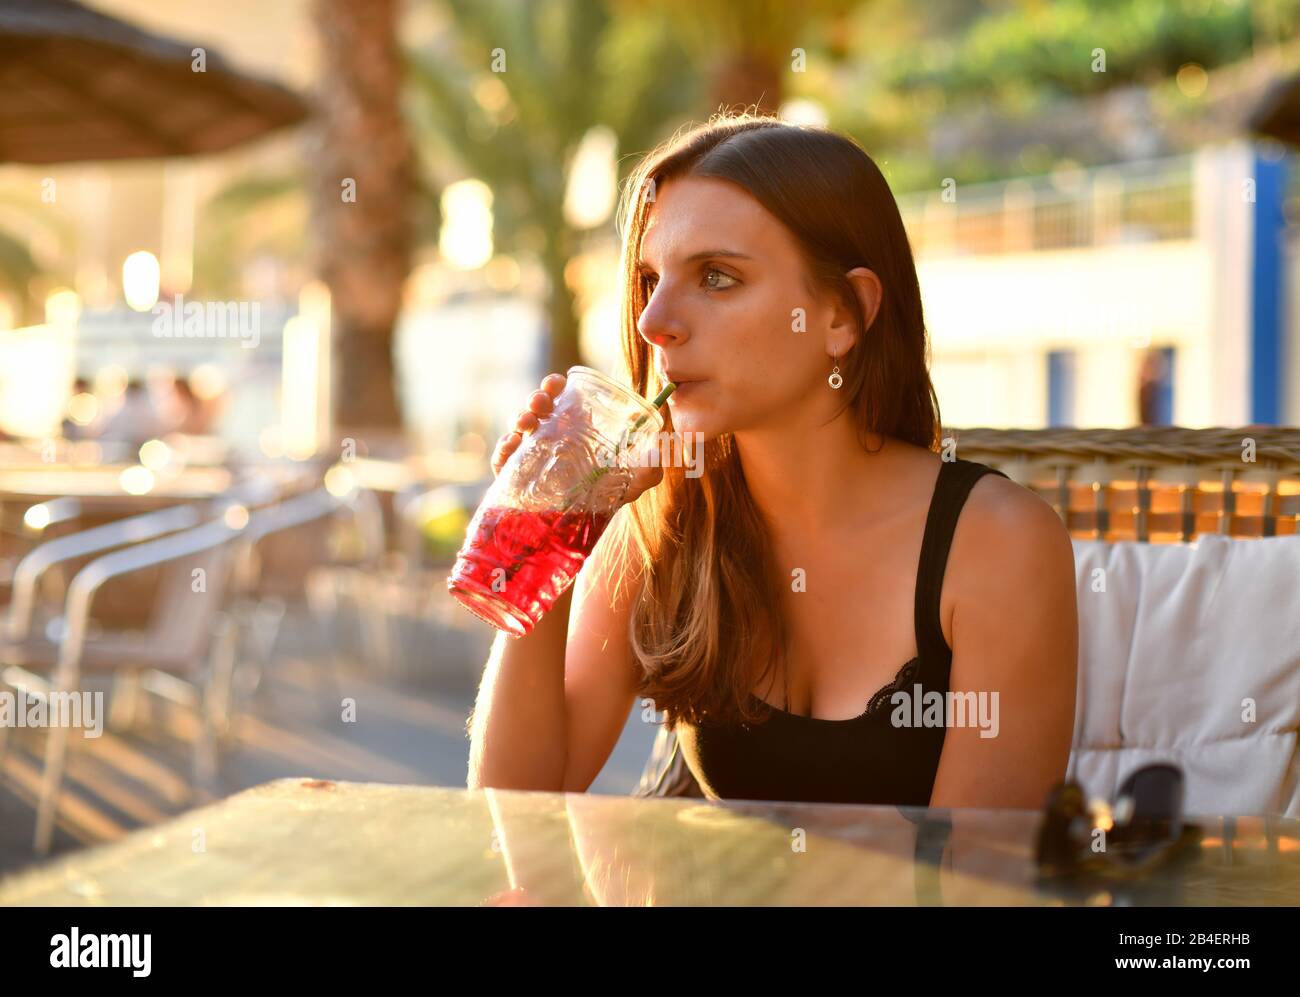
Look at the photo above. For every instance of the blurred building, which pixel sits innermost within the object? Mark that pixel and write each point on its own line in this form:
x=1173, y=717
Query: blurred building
x=1154, y=291
x=1159, y=292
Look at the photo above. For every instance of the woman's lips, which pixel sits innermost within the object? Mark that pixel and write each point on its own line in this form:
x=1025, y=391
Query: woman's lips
x=685, y=388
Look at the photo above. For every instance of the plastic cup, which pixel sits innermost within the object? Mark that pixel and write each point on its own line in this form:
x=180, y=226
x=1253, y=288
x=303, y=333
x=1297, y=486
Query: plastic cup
x=551, y=502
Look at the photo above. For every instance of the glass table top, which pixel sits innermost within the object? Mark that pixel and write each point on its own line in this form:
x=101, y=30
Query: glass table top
x=318, y=842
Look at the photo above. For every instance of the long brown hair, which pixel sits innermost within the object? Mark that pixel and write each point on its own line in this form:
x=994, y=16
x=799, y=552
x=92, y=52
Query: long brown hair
x=707, y=615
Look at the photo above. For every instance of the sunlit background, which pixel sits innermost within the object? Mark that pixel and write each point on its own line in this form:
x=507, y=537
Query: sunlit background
x=1079, y=233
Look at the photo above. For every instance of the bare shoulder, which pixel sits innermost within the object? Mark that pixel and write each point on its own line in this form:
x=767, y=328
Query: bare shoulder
x=1015, y=632
x=999, y=502
x=1007, y=531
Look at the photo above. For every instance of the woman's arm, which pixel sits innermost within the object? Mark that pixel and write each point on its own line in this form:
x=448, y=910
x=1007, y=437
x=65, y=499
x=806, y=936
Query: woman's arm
x=517, y=727
x=1015, y=640
x=552, y=704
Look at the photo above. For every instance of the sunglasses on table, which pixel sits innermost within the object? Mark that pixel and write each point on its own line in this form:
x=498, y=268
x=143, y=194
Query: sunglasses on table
x=1141, y=831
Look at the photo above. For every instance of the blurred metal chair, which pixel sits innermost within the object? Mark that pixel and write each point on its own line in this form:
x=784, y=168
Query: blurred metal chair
x=189, y=639
x=280, y=551
x=66, y=554
x=340, y=593
x=22, y=609
x=66, y=549
x=409, y=627
x=32, y=525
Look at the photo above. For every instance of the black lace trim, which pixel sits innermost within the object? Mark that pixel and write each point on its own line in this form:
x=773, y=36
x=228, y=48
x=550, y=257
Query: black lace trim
x=880, y=699
x=905, y=675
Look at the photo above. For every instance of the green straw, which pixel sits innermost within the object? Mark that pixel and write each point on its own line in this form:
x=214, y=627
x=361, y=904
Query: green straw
x=596, y=473
x=659, y=400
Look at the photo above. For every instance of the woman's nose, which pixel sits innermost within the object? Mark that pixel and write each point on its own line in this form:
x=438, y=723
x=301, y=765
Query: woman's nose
x=657, y=325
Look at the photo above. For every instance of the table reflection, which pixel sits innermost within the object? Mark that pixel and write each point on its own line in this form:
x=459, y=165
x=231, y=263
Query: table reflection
x=678, y=852
x=320, y=842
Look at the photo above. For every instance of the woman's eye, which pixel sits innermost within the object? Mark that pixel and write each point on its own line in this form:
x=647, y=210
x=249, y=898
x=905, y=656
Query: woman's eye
x=727, y=279
x=714, y=280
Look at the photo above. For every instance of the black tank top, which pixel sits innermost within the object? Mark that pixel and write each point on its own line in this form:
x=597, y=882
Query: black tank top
x=865, y=759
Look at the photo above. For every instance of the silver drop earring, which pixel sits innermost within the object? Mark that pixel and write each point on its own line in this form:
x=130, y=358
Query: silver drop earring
x=835, y=379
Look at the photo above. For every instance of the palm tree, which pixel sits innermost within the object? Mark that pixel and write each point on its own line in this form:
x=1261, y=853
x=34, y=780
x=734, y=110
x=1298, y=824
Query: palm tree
x=253, y=213
x=565, y=66
x=747, y=47
x=362, y=199
x=21, y=270
x=17, y=269
x=639, y=67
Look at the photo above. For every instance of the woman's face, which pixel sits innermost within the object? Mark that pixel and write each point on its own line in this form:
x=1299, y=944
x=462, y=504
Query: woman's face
x=726, y=280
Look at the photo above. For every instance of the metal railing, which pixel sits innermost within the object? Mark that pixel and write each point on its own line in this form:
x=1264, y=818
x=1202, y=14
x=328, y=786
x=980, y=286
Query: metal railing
x=1144, y=201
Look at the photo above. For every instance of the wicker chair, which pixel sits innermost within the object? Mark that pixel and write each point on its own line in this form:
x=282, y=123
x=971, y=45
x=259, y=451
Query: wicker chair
x=1149, y=484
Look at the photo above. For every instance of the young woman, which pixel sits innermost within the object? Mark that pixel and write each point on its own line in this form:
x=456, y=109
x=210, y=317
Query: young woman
x=798, y=610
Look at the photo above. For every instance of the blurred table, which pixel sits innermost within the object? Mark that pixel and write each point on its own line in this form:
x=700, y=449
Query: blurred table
x=303, y=841
x=104, y=482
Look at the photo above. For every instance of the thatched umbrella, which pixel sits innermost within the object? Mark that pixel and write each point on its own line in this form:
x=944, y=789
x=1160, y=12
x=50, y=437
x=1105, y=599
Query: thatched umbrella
x=80, y=85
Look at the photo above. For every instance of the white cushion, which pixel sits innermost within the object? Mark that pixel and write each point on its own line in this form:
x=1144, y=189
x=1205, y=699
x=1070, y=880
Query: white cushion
x=1170, y=651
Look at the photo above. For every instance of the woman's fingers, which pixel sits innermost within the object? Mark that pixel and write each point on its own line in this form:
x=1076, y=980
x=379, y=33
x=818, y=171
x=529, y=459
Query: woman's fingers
x=506, y=445
x=647, y=471
x=643, y=479
x=541, y=403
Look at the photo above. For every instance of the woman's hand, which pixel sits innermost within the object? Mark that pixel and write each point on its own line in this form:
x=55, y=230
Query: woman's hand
x=541, y=404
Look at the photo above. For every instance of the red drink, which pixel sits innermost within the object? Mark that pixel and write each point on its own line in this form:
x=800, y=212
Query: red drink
x=551, y=501
x=516, y=563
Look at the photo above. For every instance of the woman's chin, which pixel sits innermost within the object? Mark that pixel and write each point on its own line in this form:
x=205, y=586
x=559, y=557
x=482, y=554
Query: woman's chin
x=688, y=404
x=688, y=423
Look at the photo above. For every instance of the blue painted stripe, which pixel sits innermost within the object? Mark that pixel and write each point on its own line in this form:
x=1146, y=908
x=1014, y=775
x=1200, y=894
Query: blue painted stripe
x=1060, y=388
x=1268, y=288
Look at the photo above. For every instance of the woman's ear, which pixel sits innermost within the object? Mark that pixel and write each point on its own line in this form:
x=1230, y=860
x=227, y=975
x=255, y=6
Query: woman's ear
x=869, y=291
x=866, y=285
